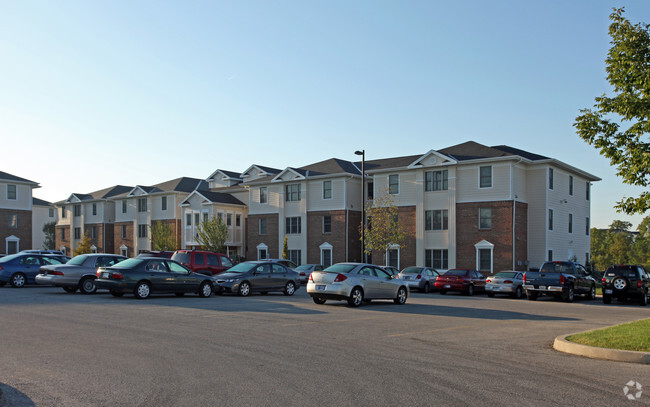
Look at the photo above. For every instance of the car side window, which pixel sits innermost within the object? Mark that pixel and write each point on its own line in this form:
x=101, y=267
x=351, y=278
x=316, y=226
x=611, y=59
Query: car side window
x=277, y=268
x=381, y=273
x=263, y=268
x=213, y=259
x=103, y=262
x=365, y=271
x=157, y=265
x=176, y=268
x=318, y=268
x=225, y=261
x=199, y=258
x=28, y=260
x=51, y=260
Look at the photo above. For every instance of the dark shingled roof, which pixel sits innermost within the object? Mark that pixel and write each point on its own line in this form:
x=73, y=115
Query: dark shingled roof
x=268, y=169
x=8, y=177
x=331, y=166
x=183, y=184
x=40, y=202
x=472, y=150
x=220, y=197
x=385, y=163
x=521, y=153
x=104, y=193
x=231, y=174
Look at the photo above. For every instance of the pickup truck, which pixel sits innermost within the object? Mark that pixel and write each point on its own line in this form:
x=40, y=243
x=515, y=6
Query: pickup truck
x=561, y=279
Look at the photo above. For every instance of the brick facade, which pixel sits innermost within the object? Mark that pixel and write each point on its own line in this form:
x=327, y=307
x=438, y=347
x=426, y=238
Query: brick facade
x=126, y=241
x=22, y=231
x=270, y=239
x=468, y=234
x=407, y=254
x=338, y=237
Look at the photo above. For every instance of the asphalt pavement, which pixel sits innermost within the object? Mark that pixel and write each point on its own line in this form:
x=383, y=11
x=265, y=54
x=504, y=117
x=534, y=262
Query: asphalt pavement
x=64, y=349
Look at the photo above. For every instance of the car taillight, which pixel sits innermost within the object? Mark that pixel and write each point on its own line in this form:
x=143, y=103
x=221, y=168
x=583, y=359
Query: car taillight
x=604, y=281
x=1, y=268
x=339, y=278
x=302, y=274
x=562, y=280
x=57, y=273
x=507, y=282
x=489, y=280
x=639, y=283
x=116, y=275
x=418, y=277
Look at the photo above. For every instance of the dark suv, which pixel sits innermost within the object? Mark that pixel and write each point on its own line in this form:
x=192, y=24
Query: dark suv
x=625, y=282
x=203, y=262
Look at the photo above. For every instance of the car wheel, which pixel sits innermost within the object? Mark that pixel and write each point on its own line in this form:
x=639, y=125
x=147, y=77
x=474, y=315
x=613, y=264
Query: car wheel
x=356, y=297
x=470, y=290
x=568, y=297
x=443, y=292
x=644, y=298
x=70, y=289
x=619, y=283
x=592, y=293
x=290, y=288
x=426, y=288
x=318, y=300
x=179, y=294
x=401, y=296
x=116, y=293
x=18, y=280
x=87, y=285
x=532, y=295
x=490, y=294
x=607, y=299
x=142, y=290
x=519, y=292
x=244, y=289
x=205, y=289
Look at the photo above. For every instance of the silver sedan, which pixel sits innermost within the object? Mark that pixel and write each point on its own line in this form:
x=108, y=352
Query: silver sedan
x=355, y=283
x=505, y=282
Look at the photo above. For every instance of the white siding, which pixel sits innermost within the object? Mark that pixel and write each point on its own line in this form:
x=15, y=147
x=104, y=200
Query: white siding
x=23, y=199
x=468, y=184
x=537, y=216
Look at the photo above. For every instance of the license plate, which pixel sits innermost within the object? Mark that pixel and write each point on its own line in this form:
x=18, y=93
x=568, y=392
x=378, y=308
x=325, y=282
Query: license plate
x=608, y=291
x=447, y=286
x=106, y=275
x=320, y=288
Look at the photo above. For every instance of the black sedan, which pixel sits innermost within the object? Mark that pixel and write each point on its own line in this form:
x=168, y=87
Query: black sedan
x=144, y=276
x=260, y=276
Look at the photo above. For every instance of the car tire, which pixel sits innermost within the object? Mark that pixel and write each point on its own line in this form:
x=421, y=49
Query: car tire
x=470, y=290
x=532, y=295
x=644, y=298
x=592, y=293
x=426, y=288
x=519, y=292
x=490, y=294
x=205, y=289
x=70, y=290
x=290, y=288
x=443, y=292
x=570, y=294
x=244, y=289
x=356, y=297
x=318, y=300
x=401, y=297
x=18, y=280
x=117, y=294
x=179, y=294
x=142, y=290
x=607, y=299
x=87, y=285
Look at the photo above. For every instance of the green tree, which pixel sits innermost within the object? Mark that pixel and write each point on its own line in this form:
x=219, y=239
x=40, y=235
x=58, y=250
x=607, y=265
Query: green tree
x=84, y=244
x=619, y=126
x=285, y=248
x=162, y=236
x=384, y=229
x=212, y=234
x=50, y=241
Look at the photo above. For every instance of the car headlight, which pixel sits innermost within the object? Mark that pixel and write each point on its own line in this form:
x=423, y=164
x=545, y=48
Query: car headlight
x=232, y=280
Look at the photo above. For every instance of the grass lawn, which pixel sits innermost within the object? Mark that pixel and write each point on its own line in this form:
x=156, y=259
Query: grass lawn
x=632, y=336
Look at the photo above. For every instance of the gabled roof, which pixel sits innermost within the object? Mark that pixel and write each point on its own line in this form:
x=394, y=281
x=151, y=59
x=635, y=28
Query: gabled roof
x=215, y=197
x=300, y=174
x=5, y=176
x=472, y=150
x=431, y=157
x=521, y=153
x=267, y=170
x=226, y=174
x=40, y=202
x=105, y=193
x=183, y=184
x=386, y=163
x=331, y=166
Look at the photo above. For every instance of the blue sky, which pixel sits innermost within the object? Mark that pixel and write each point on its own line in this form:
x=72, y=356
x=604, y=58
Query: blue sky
x=94, y=94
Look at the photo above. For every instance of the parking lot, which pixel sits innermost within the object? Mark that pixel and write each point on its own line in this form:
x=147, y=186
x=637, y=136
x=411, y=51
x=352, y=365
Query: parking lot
x=79, y=350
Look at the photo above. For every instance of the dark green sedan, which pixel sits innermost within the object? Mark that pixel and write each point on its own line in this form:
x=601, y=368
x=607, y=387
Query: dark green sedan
x=145, y=276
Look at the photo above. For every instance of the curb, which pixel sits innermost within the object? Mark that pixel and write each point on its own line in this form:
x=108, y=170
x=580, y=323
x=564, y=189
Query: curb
x=561, y=344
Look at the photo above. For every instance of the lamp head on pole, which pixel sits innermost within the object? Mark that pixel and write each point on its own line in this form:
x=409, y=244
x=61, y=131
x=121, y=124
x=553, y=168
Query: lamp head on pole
x=362, y=152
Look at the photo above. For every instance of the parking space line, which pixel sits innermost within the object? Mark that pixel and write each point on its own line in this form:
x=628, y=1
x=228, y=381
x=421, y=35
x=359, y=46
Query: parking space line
x=445, y=329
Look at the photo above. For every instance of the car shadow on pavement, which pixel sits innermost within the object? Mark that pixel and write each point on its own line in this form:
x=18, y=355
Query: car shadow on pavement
x=11, y=397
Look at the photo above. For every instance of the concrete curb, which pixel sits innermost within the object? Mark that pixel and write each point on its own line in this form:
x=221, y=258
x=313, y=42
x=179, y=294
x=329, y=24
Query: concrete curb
x=561, y=344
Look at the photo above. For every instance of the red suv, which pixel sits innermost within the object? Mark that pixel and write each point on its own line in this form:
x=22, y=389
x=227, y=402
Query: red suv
x=203, y=262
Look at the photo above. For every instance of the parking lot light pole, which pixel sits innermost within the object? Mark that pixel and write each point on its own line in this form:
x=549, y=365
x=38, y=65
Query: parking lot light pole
x=362, y=153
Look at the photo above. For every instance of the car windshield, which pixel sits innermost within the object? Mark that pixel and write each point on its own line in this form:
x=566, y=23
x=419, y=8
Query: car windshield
x=340, y=268
x=456, y=273
x=78, y=260
x=304, y=267
x=506, y=274
x=242, y=268
x=183, y=257
x=412, y=270
x=127, y=264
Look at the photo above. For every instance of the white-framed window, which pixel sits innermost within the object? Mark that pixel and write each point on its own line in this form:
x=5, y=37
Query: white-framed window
x=436, y=219
x=485, y=177
x=123, y=231
x=327, y=224
x=11, y=192
x=77, y=210
x=62, y=233
x=570, y=223
x=142, y=204
x=163, y=203
x=263, y=195
x=262, y=226
x=205, y=217
x=393, y=184
x=295, y=256
x=326, y=254
x=550, y=255
x=237, y=220
x=570, y=185
x=93, y=232
x=12, y=244
x=392, y=256
x=77, y=233
x=142, y=231
x=485, y=218
x=293, y=225
x=94, y=209
x=587, y=190
x=124, y=251
x=327, y=189
x=229, y=220
x=292, y=192
x=437, y=258
x=587, y=226
x=436, y=180
x=484, y=256
x=550, y=178
x=50, y=212
x=12, y=220
x=188, y=220
x=262, y=251
x=63, y=212
x=124, y=206
x=550, y=219
x=370, y=191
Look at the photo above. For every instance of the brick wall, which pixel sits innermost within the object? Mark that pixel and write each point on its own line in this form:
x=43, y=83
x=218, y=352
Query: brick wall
x=23, y=229
x=270, y=238
x=338, y=237
x=119, y=240
x=500, y=235
x=407, y=220
x=63, y=241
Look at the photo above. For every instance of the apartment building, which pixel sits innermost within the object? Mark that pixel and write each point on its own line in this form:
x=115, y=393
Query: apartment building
x=92, y=213
x=43, y=212
x=16, y=204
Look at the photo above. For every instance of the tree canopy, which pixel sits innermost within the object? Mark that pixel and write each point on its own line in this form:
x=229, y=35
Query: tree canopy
x=84, y=245
x=50, y=241
x=383, y=227
x=619, y=126
x=620, y=245
x=212, y=234
x=162, y=236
